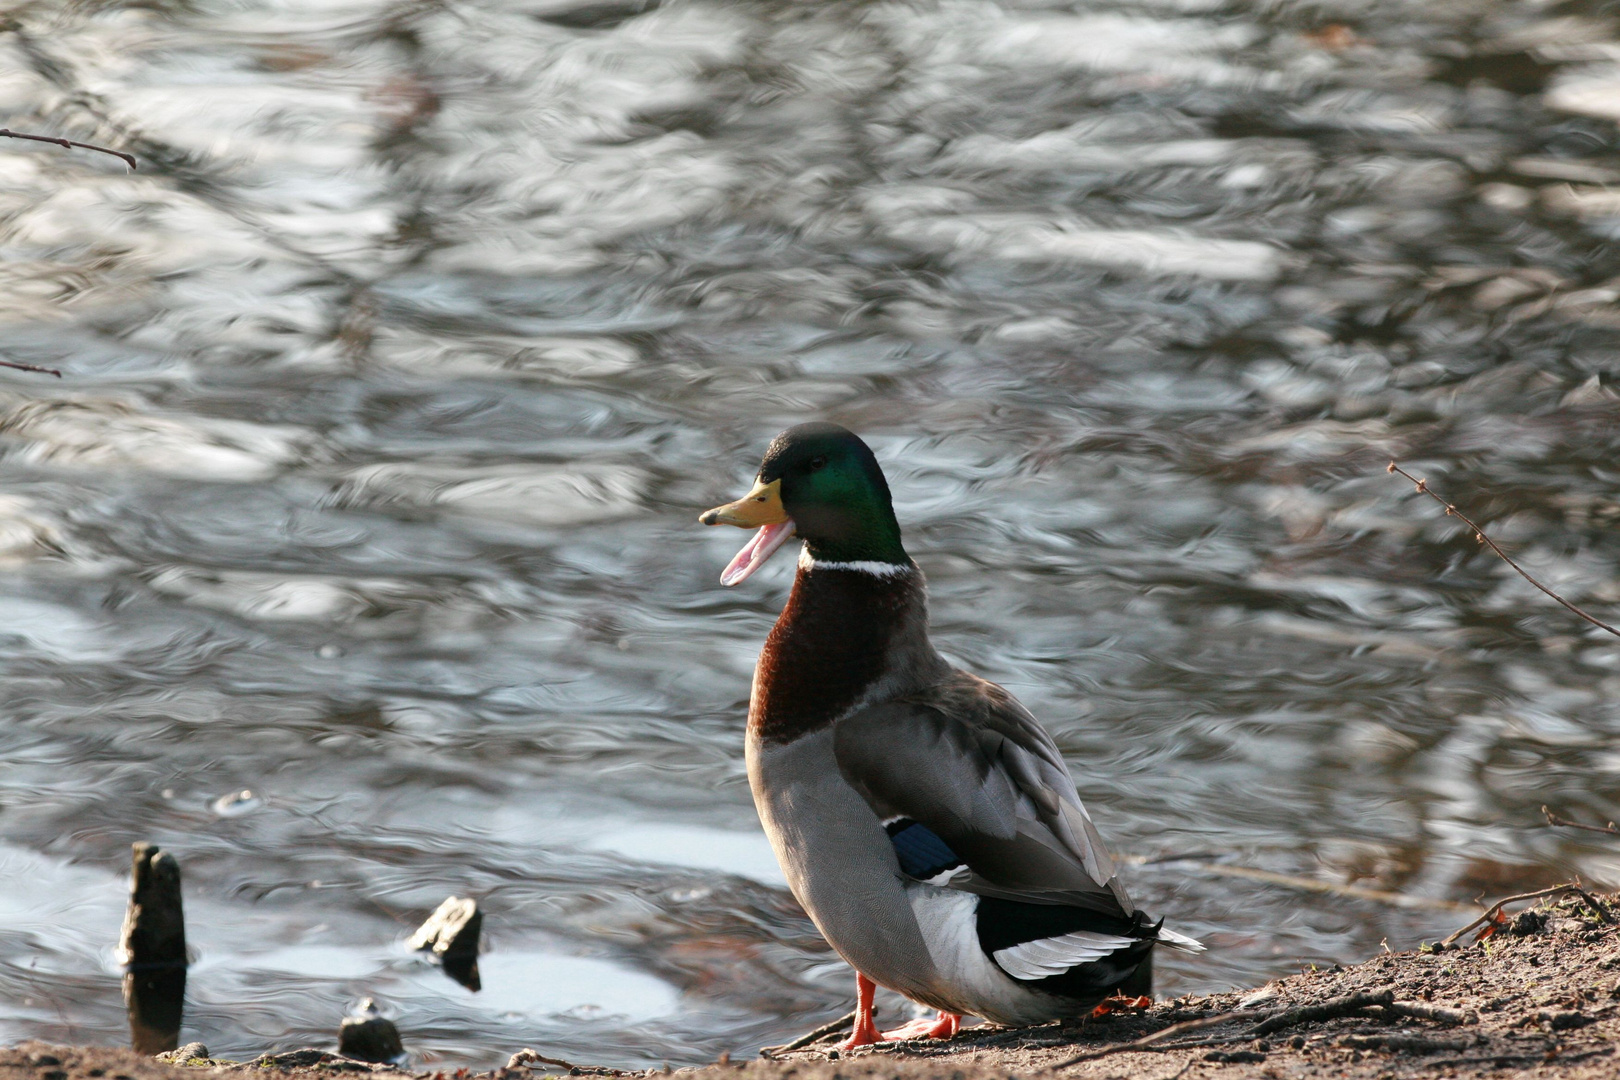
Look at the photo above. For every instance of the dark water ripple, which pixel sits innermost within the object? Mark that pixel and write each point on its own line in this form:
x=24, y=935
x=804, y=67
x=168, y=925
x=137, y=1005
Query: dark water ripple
x=396, y=376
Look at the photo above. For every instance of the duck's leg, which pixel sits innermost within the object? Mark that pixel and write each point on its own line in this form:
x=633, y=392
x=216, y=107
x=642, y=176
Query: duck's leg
x=944, y=1026
x=865, y=1032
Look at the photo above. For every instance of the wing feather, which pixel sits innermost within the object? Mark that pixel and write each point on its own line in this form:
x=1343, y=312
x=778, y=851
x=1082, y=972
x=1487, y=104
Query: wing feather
x=968, y=761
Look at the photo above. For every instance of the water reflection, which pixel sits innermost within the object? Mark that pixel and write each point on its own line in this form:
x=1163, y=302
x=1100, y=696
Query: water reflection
x=155, y=998
x=396, y=375
x=463, y=968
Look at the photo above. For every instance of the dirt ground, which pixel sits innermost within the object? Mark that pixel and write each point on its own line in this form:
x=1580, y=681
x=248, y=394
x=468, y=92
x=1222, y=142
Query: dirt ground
x=1539, y=997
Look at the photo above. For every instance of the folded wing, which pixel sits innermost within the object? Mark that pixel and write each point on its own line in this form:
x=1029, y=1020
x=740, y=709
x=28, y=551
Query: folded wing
x=970, y=763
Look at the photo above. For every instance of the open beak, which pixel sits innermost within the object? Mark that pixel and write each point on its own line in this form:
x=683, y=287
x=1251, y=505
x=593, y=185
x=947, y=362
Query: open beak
x=760, y=509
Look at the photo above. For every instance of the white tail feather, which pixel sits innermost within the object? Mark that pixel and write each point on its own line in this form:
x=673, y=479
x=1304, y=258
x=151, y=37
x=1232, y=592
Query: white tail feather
x=1055, y=955
x=1179, y=942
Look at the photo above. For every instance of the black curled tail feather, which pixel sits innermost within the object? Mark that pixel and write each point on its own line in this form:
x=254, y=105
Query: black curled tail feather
x=1006, y=924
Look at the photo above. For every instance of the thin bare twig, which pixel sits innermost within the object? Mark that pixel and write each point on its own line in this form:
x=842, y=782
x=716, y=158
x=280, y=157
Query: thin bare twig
x=810, y=1036
x=69, y=144
x=1490, y=913
x=1554, y=819
x=1419, y=1010
x=527, y=1056
x=1331, y=1009
x=1147, y=1042
x=20, y=366
x=1479, y=534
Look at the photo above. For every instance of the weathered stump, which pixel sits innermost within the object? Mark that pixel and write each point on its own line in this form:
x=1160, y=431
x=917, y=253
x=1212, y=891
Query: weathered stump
x=153, y=948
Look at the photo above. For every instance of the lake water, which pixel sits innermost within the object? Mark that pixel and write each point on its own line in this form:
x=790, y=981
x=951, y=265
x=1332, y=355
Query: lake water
x=396, y=376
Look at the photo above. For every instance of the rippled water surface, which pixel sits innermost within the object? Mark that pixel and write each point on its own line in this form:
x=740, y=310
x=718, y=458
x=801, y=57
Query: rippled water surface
x=394, y=379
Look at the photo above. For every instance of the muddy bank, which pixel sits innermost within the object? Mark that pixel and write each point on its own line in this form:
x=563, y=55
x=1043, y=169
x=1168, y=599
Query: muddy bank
x=1540, y=995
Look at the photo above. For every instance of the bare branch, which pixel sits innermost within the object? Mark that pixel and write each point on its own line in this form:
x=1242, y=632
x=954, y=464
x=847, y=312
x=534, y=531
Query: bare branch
x=1479, y=534
x=69, y=144
x=1490, y=914
x=531, y=1058
x=1554, y=819
x=20, y=366
x=1331, y=1009
x=809, y=1037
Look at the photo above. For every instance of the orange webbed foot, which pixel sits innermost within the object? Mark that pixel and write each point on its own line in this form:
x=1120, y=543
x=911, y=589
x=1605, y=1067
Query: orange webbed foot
x=1120, y=1003
x=864, y=1032
x=943, y=1026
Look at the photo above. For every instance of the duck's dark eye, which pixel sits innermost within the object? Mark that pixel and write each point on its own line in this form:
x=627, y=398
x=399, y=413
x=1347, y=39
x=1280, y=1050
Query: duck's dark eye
x=818, y=462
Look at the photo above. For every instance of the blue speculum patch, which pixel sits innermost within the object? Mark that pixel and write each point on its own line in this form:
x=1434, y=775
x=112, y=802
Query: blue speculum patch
x=922, y=853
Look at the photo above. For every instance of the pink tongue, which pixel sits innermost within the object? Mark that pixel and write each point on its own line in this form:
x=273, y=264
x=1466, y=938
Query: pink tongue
x=761, y=546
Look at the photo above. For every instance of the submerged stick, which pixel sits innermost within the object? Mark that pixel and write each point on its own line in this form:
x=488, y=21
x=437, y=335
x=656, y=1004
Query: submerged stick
x=1554, y=819
x=1479, y=534
x=1305, y=884
x=1490, y=913
x=20, y=366
x=69, y=144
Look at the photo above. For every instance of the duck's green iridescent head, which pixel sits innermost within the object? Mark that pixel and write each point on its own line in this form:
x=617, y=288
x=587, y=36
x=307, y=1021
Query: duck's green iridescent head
x=822, y=483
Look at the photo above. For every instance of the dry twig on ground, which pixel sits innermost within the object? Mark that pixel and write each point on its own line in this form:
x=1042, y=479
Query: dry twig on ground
x=69, y=144
x=809, y=1037
x=527, y=1056
x=1419, y=1010
x=1490, y=913
x=1331, y=1009
x=1479, y=534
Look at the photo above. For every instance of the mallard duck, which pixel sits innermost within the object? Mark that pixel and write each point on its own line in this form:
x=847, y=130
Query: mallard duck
x=923, y=818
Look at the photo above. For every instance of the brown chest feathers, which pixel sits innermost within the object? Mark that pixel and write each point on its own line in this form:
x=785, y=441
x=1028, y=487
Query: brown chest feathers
x=829, y=645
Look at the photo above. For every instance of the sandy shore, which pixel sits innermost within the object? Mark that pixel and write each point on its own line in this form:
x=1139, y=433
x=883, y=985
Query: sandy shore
x=1540, y=996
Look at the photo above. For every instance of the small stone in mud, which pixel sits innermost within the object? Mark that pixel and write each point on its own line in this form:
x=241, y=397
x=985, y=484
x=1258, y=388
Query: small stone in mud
x=370, y=1036
x=1529, y=922
x=1564, y=1021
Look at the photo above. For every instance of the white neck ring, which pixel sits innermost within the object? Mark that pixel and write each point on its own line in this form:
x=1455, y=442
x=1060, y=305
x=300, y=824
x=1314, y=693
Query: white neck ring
x=860, y=566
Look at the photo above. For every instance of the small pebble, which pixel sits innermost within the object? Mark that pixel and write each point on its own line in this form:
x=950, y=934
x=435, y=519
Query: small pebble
x=185, y=1053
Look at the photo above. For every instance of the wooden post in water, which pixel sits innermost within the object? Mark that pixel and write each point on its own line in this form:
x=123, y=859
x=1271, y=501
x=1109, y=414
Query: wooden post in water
x=452, y=933
x=153, y=948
